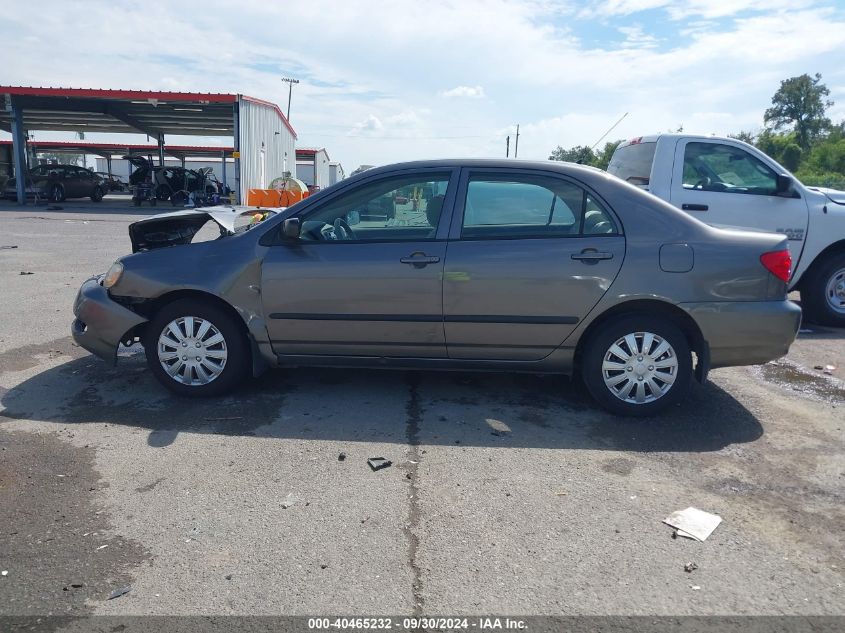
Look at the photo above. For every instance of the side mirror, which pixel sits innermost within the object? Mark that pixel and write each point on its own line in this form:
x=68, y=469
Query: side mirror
x=784, y=185
x=291, y=228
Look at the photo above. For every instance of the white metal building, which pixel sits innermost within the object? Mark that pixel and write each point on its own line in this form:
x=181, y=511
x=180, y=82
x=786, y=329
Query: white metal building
x=336, y=173
x=312, y=166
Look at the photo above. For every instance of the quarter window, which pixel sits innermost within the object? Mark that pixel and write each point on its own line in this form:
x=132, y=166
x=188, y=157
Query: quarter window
x=499, y=207
x=727, y=169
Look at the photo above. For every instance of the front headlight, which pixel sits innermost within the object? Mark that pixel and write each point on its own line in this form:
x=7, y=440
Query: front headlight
x=113, y=276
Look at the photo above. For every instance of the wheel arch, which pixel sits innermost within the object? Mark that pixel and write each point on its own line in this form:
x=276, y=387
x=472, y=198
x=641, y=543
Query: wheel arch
x=831, y=249
x=650, y=307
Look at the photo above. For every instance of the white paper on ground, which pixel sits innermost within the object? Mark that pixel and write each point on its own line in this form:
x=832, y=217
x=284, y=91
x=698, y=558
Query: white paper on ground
x=693, y=523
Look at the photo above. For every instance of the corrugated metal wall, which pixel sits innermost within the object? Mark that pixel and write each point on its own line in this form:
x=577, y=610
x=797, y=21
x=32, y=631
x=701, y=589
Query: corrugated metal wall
x=321, y=169
x=264, y=153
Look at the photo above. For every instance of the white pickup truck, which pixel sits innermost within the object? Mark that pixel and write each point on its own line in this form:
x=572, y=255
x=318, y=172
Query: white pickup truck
x=728, y=183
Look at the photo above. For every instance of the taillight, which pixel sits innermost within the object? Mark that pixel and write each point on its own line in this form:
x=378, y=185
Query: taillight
x=779, y=263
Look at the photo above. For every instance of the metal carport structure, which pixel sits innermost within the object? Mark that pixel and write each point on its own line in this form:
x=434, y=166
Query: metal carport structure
x=259, y=128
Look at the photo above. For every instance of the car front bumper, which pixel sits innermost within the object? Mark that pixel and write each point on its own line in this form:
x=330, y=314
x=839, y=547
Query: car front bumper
x=746, y=333
x=101, y=323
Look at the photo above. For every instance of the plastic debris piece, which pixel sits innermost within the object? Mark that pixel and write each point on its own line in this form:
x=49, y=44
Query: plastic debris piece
x=5, y=572
x=818, y=367
x=341, y=457
x=288, y=501
x=829, y=369
x=693, y=523
x=690, y=567
x=3, y=248
x=102, y=547
x=25, y=272
x=377, y=463
x=499, y=427
x=695, y=587
x=119, y=592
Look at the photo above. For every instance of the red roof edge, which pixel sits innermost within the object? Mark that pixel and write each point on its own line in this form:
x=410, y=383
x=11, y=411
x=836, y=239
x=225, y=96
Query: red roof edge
x=270, y=104
x=210, y=97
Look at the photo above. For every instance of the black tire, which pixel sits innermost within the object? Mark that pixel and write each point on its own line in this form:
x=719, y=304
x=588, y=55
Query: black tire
x=599, y=345
x=57, y=193
x=815, y=302
x=237, y=364
x=97, y=194
x=178, y=199
x=136, y=202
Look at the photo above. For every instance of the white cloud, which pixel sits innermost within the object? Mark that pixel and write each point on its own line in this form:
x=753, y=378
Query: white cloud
x=472, y=92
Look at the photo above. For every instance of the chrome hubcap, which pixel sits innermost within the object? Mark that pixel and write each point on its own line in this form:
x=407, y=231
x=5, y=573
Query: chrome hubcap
x=640, y=367
x=192, y=350
x=835, y=291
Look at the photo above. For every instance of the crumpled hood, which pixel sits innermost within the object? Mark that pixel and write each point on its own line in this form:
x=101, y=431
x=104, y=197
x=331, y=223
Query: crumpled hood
x=834, y=195
x=180, y=227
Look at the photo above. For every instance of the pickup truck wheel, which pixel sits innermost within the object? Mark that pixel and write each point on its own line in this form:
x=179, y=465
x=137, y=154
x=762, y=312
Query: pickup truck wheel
x=196, y=348
x=823, y=292
x=637, y=365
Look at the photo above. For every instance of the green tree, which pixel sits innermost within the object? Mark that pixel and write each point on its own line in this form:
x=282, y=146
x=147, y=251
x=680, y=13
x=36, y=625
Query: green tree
x=800, y=104
x=602, y=157
x=578, y=154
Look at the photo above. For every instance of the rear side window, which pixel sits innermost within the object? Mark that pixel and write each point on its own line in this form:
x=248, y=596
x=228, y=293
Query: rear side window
x=507, y=207
x=632, y=163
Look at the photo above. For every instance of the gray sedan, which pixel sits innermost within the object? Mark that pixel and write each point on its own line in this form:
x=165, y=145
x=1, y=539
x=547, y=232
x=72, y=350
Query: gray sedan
x=451, y=264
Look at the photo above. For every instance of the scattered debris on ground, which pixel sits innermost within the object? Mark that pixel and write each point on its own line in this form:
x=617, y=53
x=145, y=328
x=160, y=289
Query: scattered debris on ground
x=224, y=419
x=690, y=567
x=55, y=207
x=26, y=272
x=119, y=592
x=829, y=369
x=288, y=501
x=377, y=463
x=341, y=457
x=5, y=572
x=6, y=247
x=499, y=428
x=693, y=523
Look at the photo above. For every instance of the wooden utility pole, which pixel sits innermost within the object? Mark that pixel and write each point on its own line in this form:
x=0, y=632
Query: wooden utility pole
x=516, y=145
x=507, y=146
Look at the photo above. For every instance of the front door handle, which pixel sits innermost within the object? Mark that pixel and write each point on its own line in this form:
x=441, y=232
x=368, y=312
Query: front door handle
x=694, y=207
x=420, y=260
x=591, y=256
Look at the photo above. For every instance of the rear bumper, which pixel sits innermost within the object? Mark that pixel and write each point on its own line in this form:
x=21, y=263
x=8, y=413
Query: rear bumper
x=746, y=333
x=101, y=323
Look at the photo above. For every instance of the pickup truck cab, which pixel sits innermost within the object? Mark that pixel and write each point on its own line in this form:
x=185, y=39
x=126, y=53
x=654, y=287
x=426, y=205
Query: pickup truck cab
x=728, y=183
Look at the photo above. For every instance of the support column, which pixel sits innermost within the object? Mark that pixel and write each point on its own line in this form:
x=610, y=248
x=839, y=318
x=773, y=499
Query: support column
x=161, y=149
x=223, y=169
x=19, y=151
x=237, y=143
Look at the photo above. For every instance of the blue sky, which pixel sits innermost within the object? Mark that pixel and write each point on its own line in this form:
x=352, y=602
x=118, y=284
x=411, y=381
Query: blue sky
x=394, y=80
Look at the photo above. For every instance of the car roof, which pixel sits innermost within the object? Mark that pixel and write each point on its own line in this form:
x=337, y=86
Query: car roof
x=486, y=163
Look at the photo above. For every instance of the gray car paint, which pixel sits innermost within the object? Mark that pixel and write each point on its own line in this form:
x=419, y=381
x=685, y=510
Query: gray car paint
x=322, y=292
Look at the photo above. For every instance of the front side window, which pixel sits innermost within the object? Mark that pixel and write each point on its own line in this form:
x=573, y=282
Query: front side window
x=507, y=207
x=394, y=209
x=725, y=168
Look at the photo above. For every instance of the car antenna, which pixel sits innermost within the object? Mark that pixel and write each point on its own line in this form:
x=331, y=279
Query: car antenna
x=593, y=146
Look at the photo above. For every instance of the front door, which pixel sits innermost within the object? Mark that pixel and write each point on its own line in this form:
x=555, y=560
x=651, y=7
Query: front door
x=365, y=276
x=528, y=259
x=724, y=185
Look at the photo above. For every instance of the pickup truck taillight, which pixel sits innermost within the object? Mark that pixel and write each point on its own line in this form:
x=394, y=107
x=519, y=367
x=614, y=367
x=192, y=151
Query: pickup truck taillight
x=779, y=263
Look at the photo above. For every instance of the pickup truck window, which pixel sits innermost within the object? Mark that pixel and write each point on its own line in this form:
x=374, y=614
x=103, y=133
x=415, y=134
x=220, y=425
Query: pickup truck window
x=727, y=169
x=632, y=163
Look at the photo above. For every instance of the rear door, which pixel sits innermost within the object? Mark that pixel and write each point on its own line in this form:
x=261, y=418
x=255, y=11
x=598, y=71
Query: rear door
x=723, y=184
x=365, y=278
x=530, y=254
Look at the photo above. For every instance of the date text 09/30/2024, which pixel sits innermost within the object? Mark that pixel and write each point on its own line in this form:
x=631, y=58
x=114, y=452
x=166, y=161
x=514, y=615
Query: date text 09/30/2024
x=416, y=623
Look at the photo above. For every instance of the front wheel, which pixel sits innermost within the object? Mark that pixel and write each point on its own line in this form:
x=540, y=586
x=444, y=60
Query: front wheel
x=97, y=194
x=196, y=348
x=57, y=193
x=823, y=292
x=637, y=365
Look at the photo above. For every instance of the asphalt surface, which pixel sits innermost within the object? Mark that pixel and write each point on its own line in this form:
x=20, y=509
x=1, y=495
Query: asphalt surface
x=508, y=494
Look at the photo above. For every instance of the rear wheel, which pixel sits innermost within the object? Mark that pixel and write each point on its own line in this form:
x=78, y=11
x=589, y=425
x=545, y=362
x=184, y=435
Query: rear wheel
x=97, y=194
x=637, y=365
x=196, y=348
x=823, y=292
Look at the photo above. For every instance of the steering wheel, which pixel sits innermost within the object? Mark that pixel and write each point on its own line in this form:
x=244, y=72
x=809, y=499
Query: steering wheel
x=704, y=182
x=342, y=230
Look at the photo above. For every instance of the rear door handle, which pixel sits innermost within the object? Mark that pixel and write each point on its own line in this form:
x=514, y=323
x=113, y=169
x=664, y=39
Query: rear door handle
x=591, y=256
x=694, y=207
x=420, y=260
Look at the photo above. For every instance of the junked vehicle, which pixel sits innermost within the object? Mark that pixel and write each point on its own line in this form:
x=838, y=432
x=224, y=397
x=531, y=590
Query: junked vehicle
x=56, y=183
x=728, y=183
x=152, y=183
x=501, y=265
